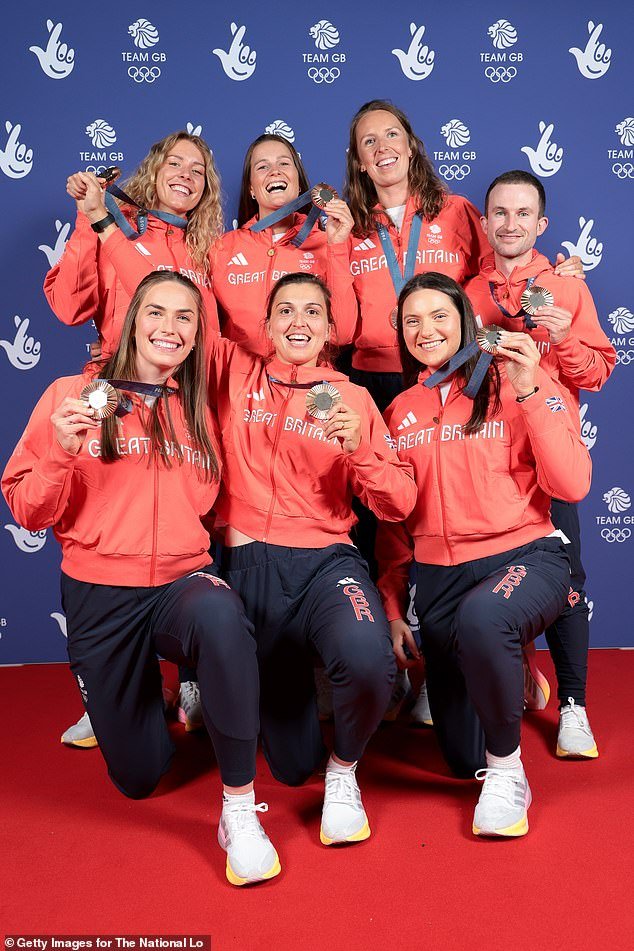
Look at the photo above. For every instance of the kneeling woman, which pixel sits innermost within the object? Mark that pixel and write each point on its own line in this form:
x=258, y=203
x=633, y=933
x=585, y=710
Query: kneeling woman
x=125, y=498
x=490, y=574
x=292, y=469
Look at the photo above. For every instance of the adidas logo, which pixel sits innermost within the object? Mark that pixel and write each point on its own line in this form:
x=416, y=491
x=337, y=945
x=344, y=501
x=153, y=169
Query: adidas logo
x=348, y=581
x=239, y=259
x=142, y=249
x=409, y=420
x=256, y=396
x=366, y=245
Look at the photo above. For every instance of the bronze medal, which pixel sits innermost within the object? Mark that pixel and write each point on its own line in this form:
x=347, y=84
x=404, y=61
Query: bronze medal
x=320, y=399
x=322, y=194
x=109, y=175
x=394, y=318
x=101, y=397
x=535, y=297
x=488, y=338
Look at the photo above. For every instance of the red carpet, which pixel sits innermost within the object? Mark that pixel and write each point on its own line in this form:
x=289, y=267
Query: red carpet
x=77, y=857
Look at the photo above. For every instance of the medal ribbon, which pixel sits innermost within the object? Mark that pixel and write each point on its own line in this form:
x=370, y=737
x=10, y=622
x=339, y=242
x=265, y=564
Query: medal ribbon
x=399, y=280
x=528, y=323
x=458, y=360
x=142, y=215
x=133, y=386
x=296, y=386
x=288, y=209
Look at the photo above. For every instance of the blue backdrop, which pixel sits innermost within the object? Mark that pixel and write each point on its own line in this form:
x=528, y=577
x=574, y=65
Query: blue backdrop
x=489, y=87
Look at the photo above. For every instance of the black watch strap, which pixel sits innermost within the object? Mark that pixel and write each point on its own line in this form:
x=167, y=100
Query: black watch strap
x=103, y=223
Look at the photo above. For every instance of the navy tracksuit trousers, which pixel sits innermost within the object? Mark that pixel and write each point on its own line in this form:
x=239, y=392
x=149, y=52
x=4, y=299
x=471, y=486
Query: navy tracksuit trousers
x=114, y=636
x=474, y=620
x=306, y=603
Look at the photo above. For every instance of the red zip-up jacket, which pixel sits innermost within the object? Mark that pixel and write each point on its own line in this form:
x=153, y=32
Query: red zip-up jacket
x=285, y=483
x=483, y=494
x=586, y=358
x=452, y=243
x=95, y=280
x=132, y=522
x=245, y=265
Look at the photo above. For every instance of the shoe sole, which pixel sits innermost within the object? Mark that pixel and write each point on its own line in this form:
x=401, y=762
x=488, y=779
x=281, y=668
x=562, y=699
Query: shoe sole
x=234, y=879
x=88, y=744
x=360, y=836
x=419, y=724
x=518, y=829
x=592, y=753
x=536, y=687
x=190, y=725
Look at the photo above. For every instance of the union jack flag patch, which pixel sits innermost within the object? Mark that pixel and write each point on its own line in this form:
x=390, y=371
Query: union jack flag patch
x=555, y=404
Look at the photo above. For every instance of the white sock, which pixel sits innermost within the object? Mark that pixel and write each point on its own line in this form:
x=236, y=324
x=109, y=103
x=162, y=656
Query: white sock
x=335, y=767
x=513, y=761
x=242, y=797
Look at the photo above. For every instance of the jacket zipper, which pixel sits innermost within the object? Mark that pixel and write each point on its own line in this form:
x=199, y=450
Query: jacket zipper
x=276, y=440
x=443, y=514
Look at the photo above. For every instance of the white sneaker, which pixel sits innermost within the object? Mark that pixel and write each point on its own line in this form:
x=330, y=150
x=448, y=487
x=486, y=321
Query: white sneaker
x=343, y=817
x=250, y=855
x=80, y=734
x=575, y=737
x=190, y=711
x=421, y=714
x=503, y=803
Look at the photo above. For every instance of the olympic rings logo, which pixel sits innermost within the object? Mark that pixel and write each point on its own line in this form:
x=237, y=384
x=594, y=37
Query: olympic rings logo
x=324, y=75
x=454, y=172
x=615, y=534
x=500, y=74
x=96, y=170
x=623, y=171
x=624, y=357
x=144, y=74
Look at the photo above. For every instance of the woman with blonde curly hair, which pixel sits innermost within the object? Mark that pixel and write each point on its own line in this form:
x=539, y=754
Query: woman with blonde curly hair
x=105, y=259
x=109, y=254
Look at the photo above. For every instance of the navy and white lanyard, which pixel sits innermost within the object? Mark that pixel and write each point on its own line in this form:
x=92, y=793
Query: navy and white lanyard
x=288, y=209
x=142, y=215
x=528, y=323
x=400, y=279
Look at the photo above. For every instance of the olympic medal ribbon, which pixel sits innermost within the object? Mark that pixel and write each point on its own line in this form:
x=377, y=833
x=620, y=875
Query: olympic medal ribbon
x=319, y=196
x=487, y=341
x=400, y=279
x=113, y=191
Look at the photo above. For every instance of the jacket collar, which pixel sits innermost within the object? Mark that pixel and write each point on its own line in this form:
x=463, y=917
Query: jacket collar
x=291, y=373
x=536, y=266
x=266, y=235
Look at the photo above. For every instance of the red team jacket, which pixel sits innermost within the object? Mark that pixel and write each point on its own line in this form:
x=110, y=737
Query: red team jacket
x=481, y=494
x=96, y=280
x=245, y=266
x=285, y=483
x=586, y=358
x=132, y=522
x=452, y=243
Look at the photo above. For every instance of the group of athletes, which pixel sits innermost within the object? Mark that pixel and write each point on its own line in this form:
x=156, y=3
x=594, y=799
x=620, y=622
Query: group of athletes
x=214, y=401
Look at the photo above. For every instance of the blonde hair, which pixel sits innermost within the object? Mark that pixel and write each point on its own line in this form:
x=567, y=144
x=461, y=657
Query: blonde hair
x=204, y=222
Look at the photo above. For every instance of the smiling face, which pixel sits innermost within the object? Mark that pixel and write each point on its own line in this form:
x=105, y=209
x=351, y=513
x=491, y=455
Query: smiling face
x=165, y=331
x=180, y=180
x=513, y=222
x=274, y=178
x=383, y=149
x=298, y=325
x=431, y=327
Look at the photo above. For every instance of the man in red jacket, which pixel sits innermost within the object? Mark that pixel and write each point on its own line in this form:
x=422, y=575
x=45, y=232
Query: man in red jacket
x=576, y=352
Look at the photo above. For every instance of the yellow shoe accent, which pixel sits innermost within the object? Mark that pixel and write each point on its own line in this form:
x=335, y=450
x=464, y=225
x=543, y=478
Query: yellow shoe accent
x=519, y=828
x=363, y=833
x=592, y=753
x=275, y=869
x=88, y=744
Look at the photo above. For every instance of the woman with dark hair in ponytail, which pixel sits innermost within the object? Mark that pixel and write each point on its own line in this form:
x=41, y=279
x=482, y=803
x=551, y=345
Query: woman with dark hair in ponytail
x=125, y=494
x=300, y=441
x=246, y=263
x=490, y=572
